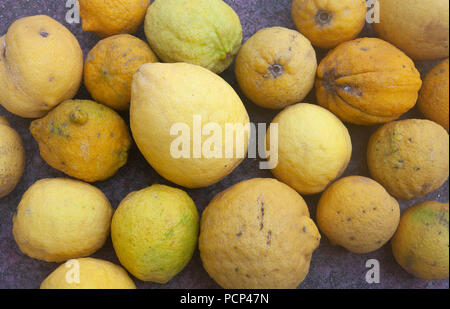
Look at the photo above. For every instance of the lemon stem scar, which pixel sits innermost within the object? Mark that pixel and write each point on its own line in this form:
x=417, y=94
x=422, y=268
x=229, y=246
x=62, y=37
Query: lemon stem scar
x=324, y=17
x=276, y=70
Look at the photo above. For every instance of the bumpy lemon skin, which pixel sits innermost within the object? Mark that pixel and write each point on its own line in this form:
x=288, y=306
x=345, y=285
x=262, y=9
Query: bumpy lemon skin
x=276, y=67
x=41, y=65
x=93, y=274
x=154, y=232
x=202, y=32
x=419, y=28
x=410, y=158
x=83, y=139
x=420, y=244
x=367, y=81
x=164, y=95
x=107, y=18
x=358, y=214
x=314, y=147
x=434, y=95
x=60, y=219
x=328, y=23
x=109, y=69
x=12, y=158
x=257, y=234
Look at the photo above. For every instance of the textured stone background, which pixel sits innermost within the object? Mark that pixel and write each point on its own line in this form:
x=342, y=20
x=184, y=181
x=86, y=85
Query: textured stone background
x=331, y=267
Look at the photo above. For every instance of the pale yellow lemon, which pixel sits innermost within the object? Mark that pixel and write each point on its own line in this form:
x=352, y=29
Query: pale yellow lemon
x=12, y=158
x=60, y=219
x=314, y=147
x=88, y=273
x=171, y=106
x=41, y=65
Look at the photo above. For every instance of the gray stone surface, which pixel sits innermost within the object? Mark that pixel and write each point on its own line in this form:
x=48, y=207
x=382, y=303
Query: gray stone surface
x=331, y=267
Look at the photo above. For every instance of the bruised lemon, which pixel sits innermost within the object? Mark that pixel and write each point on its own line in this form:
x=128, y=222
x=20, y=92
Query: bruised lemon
x=88, y=273
x=410, y=158
x=154, y=232
x=257, y=234
x=367, y=81
x=83, y=139
x=358, y=214
x=109, y=69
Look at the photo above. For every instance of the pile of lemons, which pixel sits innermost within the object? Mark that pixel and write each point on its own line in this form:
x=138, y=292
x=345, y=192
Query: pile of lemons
x=257, y=233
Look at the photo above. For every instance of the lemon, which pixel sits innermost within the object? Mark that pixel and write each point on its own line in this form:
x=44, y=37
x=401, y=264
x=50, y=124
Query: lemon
x=106, y=18
x=167, y=98
x=154, y=232
x=419, y=28
x=41, y=65
x=420, y=244
x=257, y=234
x=88, y=273
x=83, y=139
x=276, y=67
x=358, y=214
x=202, y=32
x=109, y=69
x=60, y=219
x=314, y=147
x=12, y=158
x=410, y=158
x=434, y=95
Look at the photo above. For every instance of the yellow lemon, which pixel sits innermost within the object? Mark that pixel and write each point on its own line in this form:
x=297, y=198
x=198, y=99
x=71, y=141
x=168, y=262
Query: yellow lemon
x=314, y=147
x=110, y=66
x=434, y=95
x=257, y=234
x=420, y=244
x=367, y=81
x=41, y=65
x=83, y=139
x=12, y=158
x=154, y=232
x=60, y=219
x=358, y=214
x=329, y=23
x=88, y=273
x=276, y=67
x=410, y=158
x=419, y=28
x=106, y=18
x=180, y=101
